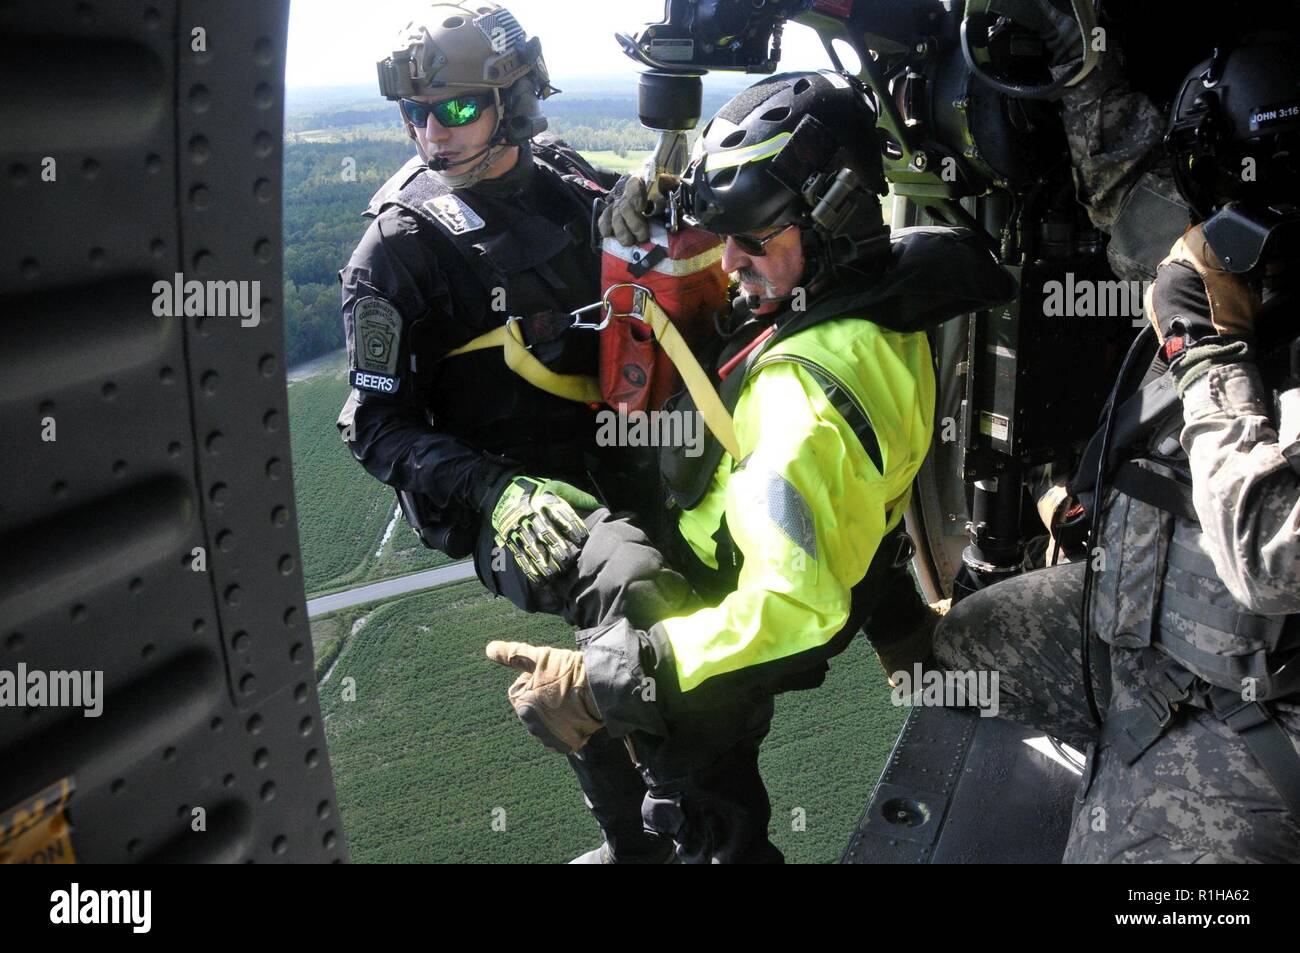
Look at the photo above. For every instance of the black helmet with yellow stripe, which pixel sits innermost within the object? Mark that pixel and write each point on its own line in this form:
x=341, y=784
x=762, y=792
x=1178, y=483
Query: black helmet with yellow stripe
x=795, y=148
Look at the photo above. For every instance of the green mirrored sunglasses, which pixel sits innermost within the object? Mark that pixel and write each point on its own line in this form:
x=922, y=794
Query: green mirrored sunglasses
x=451, y=113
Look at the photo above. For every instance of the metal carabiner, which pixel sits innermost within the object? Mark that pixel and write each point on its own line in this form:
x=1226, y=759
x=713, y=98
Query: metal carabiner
x=512, y=319
x=580, y=325
x=638, y=301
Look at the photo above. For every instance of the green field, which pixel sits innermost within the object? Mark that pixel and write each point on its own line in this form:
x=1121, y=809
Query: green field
x=342, y=510
x=430, y=748
x=632, y=162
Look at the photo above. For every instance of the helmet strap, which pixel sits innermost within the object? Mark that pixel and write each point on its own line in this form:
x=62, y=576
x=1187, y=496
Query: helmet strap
x=829, y=255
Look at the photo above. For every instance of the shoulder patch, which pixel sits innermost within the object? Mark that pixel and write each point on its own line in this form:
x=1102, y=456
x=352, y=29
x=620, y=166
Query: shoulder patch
x=455, y=215
x=378, y=329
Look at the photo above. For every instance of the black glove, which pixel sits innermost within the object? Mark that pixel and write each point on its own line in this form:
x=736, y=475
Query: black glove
x=1058, y=30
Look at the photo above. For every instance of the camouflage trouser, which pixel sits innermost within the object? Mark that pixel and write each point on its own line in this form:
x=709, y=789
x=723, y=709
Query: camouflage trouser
x=1196, y=796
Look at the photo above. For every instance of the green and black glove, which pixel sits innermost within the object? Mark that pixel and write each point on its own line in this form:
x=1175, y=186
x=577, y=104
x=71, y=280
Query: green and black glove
x=540, y=523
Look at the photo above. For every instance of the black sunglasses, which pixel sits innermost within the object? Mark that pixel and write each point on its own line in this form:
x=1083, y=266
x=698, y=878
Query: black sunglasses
x=756, y=247
x=450, y=113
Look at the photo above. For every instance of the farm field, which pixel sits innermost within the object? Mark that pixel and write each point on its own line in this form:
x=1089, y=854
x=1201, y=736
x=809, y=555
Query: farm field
x=343, y=512
x=608, y=159
x=429, y=753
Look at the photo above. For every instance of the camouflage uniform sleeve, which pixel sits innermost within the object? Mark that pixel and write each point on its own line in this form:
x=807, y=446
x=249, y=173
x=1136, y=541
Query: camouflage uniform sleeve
x=1245, y=489
x=1111, y=131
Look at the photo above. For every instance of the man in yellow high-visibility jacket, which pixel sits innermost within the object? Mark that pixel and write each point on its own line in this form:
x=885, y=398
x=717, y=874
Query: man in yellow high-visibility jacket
x=793, y=537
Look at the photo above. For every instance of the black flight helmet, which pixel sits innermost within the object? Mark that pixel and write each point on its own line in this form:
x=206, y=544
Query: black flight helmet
x=795, y=148
x=1234, y=133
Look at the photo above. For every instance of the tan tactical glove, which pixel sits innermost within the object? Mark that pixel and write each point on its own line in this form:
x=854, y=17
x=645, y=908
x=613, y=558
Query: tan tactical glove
x=551, y=697
x=624, y=216
x=1194, y=297
x=628, y=208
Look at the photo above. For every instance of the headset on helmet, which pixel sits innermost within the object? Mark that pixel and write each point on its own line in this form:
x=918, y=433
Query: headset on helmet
x=453, y=46
x=796, y=148
x=1235, y=126
x=1234, y=139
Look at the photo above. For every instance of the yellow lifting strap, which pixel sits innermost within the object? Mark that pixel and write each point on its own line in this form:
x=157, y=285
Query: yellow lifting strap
x=509, y=337
x=707, y=401
x=586, y=390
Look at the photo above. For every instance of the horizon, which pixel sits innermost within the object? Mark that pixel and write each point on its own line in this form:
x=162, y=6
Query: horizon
x=321, y=54
x=584, y=79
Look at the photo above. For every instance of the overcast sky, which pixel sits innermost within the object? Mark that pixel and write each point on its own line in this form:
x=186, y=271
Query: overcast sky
x=338, y=42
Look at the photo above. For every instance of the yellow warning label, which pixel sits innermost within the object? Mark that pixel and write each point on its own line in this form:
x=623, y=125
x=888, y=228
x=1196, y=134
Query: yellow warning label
x=36, y=830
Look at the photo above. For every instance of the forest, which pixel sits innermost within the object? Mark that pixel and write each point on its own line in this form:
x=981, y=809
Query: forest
x=324, y=196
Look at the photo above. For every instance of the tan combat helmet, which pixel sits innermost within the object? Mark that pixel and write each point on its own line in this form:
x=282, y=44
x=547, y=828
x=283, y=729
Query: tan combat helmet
x=470, y=45
x=478, y=46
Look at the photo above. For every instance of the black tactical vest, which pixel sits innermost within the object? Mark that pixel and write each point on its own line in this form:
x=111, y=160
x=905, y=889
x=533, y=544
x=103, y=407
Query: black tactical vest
x=528, y=254
x=1158, y=587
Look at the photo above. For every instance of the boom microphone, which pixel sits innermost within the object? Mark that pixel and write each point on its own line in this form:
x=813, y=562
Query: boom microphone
x=439, y=164
x=754, y=302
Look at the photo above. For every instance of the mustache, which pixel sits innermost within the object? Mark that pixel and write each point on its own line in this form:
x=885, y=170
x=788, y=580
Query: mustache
x=750, y=276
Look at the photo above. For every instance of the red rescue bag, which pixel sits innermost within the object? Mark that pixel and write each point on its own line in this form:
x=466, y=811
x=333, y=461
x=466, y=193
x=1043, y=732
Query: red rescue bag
x=683, y=271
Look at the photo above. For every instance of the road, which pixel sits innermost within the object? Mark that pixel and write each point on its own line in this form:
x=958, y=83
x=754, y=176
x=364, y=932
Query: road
x=390, y=588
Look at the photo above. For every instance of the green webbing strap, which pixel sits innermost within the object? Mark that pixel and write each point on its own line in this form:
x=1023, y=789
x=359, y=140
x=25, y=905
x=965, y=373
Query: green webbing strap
x=1267, y=740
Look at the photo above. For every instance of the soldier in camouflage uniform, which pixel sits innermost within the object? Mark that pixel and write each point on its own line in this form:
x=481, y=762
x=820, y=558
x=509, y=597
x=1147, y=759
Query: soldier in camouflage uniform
x=1196, y=568
x=1121, y=176
x=1197, y=795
